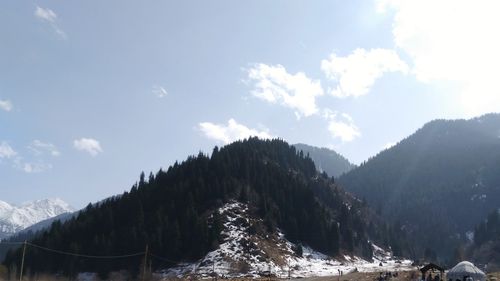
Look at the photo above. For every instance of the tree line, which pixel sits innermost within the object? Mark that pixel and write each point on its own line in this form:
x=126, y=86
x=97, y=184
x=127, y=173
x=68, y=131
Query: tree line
x=174, y=212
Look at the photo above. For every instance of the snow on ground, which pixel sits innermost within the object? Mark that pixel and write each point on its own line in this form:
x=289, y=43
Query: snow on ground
x=313, y=263
x=252, y=255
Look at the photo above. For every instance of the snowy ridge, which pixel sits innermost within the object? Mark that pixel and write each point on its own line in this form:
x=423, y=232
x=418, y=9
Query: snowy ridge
x=16, y=218
x=246, y=252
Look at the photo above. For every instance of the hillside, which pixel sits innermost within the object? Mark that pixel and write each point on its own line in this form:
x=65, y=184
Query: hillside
x=326, y=160
x=175, y=212
x=437, y=183
x=12, y=242
x=485, y=248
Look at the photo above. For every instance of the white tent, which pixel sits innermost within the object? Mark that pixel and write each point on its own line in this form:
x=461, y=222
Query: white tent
x=463, y=270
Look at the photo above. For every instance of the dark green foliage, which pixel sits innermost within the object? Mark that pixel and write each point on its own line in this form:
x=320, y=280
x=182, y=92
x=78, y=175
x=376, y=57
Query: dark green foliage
x=438, y=182
x=174, y=211
x=488, y=230
x=326, y=160
x=486, y=246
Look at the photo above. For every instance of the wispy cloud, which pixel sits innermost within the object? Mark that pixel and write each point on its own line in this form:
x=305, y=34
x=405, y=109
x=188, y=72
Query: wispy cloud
x=444, y=47
x=5, y=105
x=34, y=164
x=159, y=91
x=38, y=148
x=275, y=85
x=45, y=14
x=341, y=125
x=356, y=73
x=6, y=151
x=36, y=167
x=50, y=17
x=231, y=132
x=92, y=146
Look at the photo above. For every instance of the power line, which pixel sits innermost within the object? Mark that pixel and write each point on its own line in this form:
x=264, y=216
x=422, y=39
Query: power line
x=84, y=255
x=11, y=243
x=163, y=259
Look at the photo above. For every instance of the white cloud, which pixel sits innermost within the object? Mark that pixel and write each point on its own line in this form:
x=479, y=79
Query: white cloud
x=275, y=85
x=159, y=91
x=38, y=147
x=50, y=17
x=36, y=167
x=89, y=145
x=231, y=132
x=341, y=126
x=5, y=105
x=6, y=151
x=45, y=14
x=452, y=40
x=356, y=73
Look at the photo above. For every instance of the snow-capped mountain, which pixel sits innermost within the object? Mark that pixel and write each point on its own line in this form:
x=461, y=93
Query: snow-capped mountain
x=16, y=218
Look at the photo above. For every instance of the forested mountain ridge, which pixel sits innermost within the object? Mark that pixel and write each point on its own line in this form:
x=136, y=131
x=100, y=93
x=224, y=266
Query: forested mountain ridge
x=174, y=211
x=326, y=160
x=437, y=183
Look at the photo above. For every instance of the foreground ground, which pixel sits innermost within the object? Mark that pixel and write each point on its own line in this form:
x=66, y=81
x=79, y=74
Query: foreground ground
x=372, y=276
x=357, y=276
x=366, y=276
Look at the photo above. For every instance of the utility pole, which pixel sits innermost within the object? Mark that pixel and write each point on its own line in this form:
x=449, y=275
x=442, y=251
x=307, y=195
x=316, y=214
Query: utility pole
x=22, y=262
x=145, y=263
x=213, y=271
x=269, y=272
x=289, y=270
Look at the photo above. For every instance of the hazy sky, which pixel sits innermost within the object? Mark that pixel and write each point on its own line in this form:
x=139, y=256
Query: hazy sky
x=94, y=92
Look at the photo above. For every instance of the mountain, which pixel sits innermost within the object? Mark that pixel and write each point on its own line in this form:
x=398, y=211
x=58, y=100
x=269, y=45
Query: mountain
x=178, y=216
x=437, y=183
x=16, y=218
x=14, y=240
x=326, y=160
x=48, y=222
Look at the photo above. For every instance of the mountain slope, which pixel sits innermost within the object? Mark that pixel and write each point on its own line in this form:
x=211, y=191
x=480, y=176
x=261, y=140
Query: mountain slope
x=326, y=160
x=438, y=183
x=486, y=238
x=176, y=213
x=17, y=218
x=248, y=250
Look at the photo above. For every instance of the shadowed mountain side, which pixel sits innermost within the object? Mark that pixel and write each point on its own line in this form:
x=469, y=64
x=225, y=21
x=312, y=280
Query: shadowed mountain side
x=437, y=183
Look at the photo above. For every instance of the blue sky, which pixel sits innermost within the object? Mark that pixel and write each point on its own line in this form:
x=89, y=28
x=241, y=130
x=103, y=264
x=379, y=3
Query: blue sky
x=94, y=92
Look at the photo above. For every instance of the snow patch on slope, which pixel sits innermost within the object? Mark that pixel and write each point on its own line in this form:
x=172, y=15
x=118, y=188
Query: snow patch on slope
x=243, y=252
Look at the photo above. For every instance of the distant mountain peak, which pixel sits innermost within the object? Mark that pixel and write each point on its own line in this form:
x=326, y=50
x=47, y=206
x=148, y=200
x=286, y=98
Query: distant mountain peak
x=14, y=218
x=326, y=160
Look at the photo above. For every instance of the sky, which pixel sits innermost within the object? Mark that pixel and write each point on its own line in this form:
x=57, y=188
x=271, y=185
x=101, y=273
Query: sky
x=94, y=92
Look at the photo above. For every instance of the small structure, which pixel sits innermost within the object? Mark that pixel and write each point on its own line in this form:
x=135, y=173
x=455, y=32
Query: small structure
x=432, y=267
x=465, y=271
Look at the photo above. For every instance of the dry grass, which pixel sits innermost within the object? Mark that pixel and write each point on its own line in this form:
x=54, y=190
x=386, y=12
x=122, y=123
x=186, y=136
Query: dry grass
x=495, y=276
